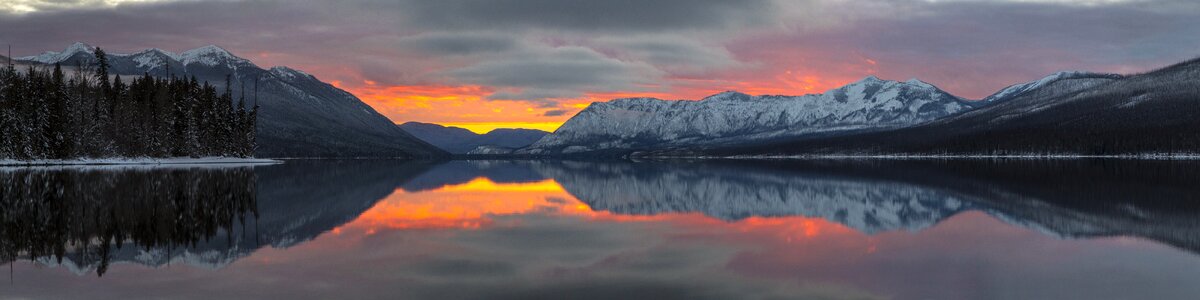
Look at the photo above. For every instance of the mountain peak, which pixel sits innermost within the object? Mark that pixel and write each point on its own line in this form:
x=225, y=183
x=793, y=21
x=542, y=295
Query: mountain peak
x=728, y=95
x=210, y=55
x=50, y=57
x=206, y=50
x=869, y=79
x=78, y=47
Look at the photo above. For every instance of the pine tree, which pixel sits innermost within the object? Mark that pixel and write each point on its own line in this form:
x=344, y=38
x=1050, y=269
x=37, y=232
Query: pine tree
x=57, y=131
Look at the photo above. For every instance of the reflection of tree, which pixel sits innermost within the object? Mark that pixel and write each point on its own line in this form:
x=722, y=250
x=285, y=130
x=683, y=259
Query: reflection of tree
x=87, y=214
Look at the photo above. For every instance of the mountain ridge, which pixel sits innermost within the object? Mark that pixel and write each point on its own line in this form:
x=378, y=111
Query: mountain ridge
x=1149, y=113
x=462, y=141
x=733, y=117
x=301, y=116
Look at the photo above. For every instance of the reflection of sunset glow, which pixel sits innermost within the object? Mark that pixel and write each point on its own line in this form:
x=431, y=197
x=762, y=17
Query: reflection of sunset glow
x=476, y=203
x=466, y=205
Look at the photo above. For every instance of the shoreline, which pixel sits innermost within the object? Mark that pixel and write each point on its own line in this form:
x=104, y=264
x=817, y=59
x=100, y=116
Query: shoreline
x=136, y=161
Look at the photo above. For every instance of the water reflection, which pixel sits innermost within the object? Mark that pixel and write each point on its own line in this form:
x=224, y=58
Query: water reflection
x=86, y=218
x=689, y=230
x=1159, y=200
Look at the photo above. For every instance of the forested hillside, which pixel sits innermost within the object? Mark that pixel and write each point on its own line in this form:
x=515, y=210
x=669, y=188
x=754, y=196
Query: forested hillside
x=48, y=114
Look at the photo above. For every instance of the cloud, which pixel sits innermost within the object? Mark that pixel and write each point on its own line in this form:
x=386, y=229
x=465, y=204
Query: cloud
x=466, y=43
x=555, y=112
x=977, y=47
x=36, y=6
x=559, y=72
x=585, y=15
x=673, y=54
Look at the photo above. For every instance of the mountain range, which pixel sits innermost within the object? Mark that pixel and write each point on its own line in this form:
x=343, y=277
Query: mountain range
x=733, y=118
x=299, y=116
x=461, y=141
x=1069, y=113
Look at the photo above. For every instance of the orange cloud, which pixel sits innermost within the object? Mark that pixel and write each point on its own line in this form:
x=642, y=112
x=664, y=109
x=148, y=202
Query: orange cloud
x=464, y=106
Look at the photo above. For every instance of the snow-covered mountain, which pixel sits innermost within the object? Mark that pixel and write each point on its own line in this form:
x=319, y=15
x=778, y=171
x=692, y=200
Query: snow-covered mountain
x=1069, y=113
x=459, y=141
x=300, y=115
x=732, y=118
x=1086, y=79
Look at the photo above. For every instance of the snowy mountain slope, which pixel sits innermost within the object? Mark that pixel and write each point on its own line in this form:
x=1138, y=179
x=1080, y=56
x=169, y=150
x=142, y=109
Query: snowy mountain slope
x=460, y=141
x=1080, y=114
x=735, y=118
x=300, y=115
x=1086, y=79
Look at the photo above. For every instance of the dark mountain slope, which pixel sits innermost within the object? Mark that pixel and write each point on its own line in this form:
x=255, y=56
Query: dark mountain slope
x=460, y=141
x=300, y=115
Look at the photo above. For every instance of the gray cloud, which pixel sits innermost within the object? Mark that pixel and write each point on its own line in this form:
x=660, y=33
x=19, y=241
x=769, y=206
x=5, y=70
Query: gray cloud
x=609, y=15
x=974, y=48
x=555, y=113
x=555, y=73
x=673, y=54
x=442, y=43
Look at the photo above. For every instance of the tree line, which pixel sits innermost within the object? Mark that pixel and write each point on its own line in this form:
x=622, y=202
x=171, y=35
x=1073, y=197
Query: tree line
x=46, y=114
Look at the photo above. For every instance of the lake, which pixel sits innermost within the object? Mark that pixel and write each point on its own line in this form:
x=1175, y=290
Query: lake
x=715, y=229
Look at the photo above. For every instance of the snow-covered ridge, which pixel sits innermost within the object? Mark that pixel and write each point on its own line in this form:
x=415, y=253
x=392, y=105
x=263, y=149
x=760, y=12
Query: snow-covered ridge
x=288, y=73
x=733, y=117
x=210, y=55
x=1017, y=89
x=50, y=57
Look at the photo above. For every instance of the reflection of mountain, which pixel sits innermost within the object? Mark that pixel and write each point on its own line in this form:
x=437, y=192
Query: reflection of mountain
x=205, y=217
x=1158, y=200
x=730, y=192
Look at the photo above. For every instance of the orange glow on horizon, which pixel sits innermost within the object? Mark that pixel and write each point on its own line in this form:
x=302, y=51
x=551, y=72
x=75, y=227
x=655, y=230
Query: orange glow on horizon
x=485, y=127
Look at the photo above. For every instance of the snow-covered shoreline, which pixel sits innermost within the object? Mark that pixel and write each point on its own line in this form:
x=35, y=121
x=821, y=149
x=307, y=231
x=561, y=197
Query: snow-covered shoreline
x=138, y=161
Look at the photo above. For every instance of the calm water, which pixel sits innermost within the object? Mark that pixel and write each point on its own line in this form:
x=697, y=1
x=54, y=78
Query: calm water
x=1083, y=229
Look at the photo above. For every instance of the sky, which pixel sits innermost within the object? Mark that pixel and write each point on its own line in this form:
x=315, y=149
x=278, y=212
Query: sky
x=482, y=64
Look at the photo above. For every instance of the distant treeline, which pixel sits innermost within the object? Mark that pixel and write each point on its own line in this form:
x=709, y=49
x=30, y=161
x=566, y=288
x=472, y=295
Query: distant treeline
x=45, y=114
